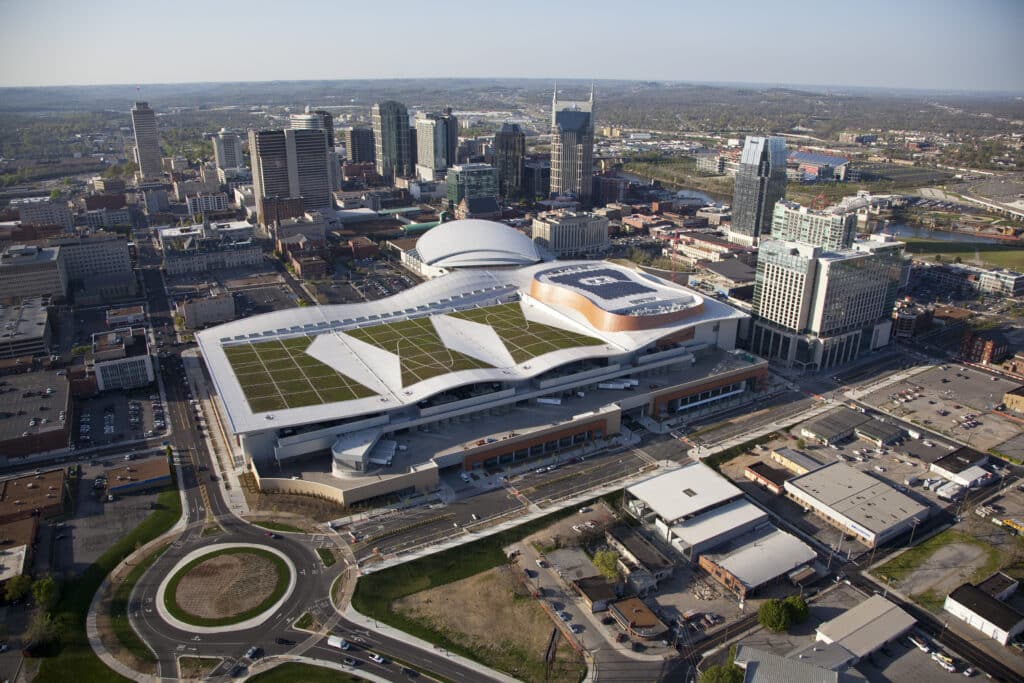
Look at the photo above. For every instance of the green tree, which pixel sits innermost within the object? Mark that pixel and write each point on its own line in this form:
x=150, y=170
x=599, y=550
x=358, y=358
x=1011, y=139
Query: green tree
x=797, y=608
x=45, y=592
x=800, y=443
x=728, y=673
x=54, y=194
x=41, y=628
x=606, y=561
x=17, y=587
x=774, y=616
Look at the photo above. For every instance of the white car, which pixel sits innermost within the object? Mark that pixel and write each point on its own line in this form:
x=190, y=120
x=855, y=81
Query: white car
x=374, y=657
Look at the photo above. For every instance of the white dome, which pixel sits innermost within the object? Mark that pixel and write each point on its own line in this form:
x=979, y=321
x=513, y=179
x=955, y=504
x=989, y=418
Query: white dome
x=474, y=243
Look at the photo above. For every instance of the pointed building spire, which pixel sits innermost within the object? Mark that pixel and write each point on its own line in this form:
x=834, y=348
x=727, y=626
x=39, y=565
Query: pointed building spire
x=591, y=92
x=554, y=95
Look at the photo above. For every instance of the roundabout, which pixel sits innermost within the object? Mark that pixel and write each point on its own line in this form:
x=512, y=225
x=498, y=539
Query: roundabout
x=225, y=587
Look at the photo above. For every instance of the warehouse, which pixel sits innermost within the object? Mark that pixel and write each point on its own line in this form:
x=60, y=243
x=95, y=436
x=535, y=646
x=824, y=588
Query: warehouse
x=834, y=426
x=673, y=497
x=867, y=627
x=964, y=467
x=983, y=606
x=702, y=533
x=856, y=503
x=795, y=461
x=879, y=433
x=771, y=478
x=752, y=561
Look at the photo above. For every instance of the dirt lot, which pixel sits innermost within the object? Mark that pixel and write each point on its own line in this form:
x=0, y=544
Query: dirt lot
x=226, y=585
x=513, y=628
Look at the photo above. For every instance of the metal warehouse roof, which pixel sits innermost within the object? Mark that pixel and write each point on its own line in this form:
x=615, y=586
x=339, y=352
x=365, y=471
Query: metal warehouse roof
x=866, y=627
x=684, y=492
x=762, y=556
x=818, y=159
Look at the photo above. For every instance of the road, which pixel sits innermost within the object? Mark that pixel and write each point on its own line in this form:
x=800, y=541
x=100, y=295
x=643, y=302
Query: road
x=204, y=504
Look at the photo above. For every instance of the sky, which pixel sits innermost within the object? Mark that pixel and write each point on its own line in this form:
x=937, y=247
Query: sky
x=927, y=44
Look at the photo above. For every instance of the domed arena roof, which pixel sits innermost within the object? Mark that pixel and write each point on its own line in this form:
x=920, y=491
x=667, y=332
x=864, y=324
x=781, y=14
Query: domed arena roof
x=474, y=243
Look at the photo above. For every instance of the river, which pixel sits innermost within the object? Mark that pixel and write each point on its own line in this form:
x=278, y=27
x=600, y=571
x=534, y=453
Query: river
x=683, y=193
x=904, y=230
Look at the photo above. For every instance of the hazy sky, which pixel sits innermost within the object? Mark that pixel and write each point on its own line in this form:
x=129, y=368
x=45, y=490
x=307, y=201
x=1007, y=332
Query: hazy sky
x=946, y=44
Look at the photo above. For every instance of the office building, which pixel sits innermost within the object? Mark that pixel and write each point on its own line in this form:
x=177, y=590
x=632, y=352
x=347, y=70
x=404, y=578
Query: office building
x=816, y=309
x=217, y=306
x=856, y=503
x=570, y=233
x=97, y=266
x=288, y=165
x=108, y=185
x=197, y=249
x=831, y=228
x=471, y=181
x=359, y=146
x=204, y=204
x=598, y=321
x=437, y=137
x=392, y=140
x=315, y=120
x=509, y=151
x=31, y=271
x=572, y=148
x=147, y=141
x=42, y=212
x=25, y=328
x=227, y=150
x=537, y=179
x=120, y=359
x=760, y=182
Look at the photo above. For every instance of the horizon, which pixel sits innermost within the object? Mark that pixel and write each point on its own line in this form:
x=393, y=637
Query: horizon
x=941, y=46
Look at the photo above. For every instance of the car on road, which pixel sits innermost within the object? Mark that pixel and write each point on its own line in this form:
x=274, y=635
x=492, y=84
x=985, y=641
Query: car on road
x=411, y=673
x=377, y=658
x=284, y=641
x=338, y=642
x=576, y=628
x=541, y=563
x=350, y=661
x=565, y=616
x=253, y=652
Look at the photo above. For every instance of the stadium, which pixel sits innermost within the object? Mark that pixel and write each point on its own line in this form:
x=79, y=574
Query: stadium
x=503, y=358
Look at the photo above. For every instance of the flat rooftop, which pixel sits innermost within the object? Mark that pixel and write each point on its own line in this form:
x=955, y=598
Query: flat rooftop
x=24, y=322
x=139, y=470
x=643, y=550
x=718, y=521
x=868, y=502
x=27, y=392
x=31, y=492
x=833, y=424
x=866, y=627
x=987, y=607
x=799, y=458
x=762, y=555
x=775, y=475
x=960, y=460
x=882, y=431
x=684, y=492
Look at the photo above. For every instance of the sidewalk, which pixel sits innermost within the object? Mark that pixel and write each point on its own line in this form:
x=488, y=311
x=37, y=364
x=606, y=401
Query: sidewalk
x=91, y=629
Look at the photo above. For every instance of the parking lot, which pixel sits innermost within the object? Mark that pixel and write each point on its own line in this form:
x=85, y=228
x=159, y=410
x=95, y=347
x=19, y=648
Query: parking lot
x=953, y=400
x=113, y=417
x=69, y=547
x=258, y=300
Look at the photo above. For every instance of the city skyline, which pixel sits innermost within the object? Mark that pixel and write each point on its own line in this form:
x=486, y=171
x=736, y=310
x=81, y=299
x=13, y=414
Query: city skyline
x=911, y=44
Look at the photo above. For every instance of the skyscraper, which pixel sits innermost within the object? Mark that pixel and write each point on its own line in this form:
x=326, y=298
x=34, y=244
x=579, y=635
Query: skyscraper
x=437, y=138
x=471, y=181
x=227, y=150
x=288, y=164
x=760, y=182
x=391, y=140
x=815, y=308
x=509, y=150
x=831, y=228
x=147, y=141
x=315, y=120
x=572, y=147
x=359, y=145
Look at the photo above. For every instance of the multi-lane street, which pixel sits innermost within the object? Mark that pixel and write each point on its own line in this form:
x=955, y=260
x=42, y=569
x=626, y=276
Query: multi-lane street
x=205, y=505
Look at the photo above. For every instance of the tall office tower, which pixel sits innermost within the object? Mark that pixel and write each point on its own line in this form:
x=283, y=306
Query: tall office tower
x=537, y=178
x=509, y=150
x=147, y=141
x=288, y=164
x=831, y=228
x=471, y=181
x=227, y=150
x=760, y=182
x=359, y=145
x=815, y=308
x=412, y=146
x=572, y=147
x=437, y=139
x=315, y=120
x=391, y=140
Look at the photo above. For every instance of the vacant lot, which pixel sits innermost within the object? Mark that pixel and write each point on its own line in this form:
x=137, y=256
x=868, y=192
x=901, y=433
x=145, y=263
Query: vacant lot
x=493, y=614
x=929, y=571
x=979, y=253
